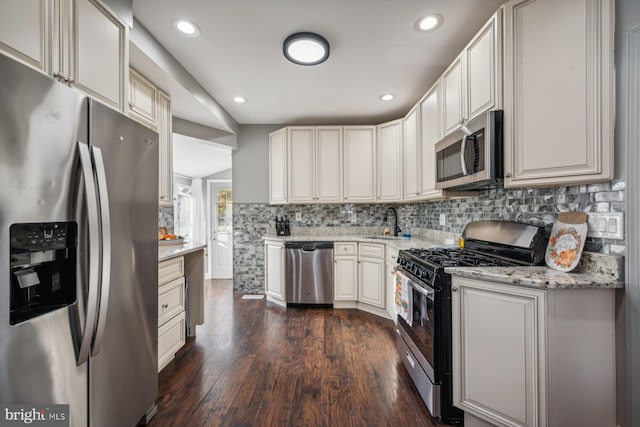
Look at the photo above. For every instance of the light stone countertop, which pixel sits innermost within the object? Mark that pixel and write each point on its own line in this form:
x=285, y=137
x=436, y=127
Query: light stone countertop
x=173, y=251
x=541, y=277
x=398, y=243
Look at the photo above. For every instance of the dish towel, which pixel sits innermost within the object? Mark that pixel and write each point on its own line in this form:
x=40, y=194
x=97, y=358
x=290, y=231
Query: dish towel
x=403, y=299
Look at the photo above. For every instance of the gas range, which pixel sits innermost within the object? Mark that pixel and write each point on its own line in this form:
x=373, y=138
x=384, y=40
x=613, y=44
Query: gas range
x=425, y=263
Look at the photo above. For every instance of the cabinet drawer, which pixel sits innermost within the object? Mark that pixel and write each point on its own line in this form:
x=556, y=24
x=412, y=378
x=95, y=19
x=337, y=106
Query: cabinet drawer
x=170, y=269
x=171, y=337
x=344, y=248
x=372, y=250
x=170, y=300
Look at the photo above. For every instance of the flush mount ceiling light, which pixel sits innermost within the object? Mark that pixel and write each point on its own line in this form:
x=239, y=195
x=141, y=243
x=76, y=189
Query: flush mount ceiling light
x=306, y=48
x=186, y=27
x=239, y=99
x=429, y=22
x=387, y=97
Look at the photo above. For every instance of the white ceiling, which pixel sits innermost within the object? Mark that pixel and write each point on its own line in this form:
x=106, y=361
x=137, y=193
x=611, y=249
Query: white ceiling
x=374, y=50
x=197, y=158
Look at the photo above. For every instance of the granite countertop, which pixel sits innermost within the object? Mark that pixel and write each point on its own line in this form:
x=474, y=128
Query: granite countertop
x=538, y=277
x=393, y=242
x=173, y=251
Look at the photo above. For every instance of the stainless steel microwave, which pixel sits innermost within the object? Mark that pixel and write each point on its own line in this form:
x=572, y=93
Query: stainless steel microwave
x=470, y=158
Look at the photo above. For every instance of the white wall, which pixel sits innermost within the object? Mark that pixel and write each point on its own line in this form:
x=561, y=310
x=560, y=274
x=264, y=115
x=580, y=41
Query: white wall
x=250, y=164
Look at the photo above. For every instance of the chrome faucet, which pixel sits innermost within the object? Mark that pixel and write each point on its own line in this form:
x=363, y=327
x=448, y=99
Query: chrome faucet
x=396, y=229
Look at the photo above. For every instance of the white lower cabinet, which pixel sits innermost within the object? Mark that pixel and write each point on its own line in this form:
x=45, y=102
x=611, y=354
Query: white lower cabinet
x=345, y=271
x=533, y=357
x=371, y=274
x=172, y=328
x=274, y=271
x=390, y=282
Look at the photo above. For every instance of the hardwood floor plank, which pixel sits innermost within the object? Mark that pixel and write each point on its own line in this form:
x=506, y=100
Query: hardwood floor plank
x=256, y=364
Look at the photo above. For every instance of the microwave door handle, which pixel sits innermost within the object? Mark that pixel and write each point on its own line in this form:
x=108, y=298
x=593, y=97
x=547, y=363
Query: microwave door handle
x=463, y=149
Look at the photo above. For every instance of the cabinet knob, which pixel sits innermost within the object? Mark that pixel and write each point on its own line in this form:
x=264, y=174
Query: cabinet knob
x=507, y=175
x=454, y=289
x=165, y=305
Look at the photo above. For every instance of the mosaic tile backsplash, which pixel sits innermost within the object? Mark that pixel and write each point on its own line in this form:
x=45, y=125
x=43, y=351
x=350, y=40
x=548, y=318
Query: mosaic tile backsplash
x=165, y=217
x=538, y=206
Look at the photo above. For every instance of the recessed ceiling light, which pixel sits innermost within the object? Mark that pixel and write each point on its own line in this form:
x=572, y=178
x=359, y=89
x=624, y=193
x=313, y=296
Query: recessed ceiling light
x=186, y=27
x=306, y=48
x=239, y=99
x=387, y=97
x=428, y=22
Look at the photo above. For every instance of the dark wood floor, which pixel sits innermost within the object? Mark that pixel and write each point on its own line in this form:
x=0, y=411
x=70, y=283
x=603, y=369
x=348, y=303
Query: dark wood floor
x=257, y=364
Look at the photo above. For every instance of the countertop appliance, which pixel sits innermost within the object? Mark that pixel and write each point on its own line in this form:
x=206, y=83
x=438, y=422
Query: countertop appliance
x=424, y=336
x=470, y=158
x=309, y=273
x=78, y=253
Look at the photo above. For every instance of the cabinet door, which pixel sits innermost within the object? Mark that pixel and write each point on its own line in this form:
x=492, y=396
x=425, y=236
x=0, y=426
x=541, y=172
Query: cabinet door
x=301, y=164
x=483, y=59
x=371, y=281
x=100, y=53
x=274, y=265
x=452, y=95
x=430, y=134
x=498, y=351
x=390, y=161
x=359, y=164
x=558, y=115
x=165, y=134
x=328, y=164
x=25, y=31
x=345, y=278
x=278, y=166
x=411, y=155
x=143, y=100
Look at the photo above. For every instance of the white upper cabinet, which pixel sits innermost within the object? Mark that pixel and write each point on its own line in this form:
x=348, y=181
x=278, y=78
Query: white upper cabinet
x=100, y=55
x=165, y=133
x=328, y=164
x=390, y=161
x=143, y=100
x=411, y=155
x=301, y=167
x=359, y=163
x=278, y=166
x=79, y=42
x=314, y=164
x=558, y=93
x=483, y=60
x=25, y=31
x=471, y=85
x=430, y=133
x=452, y=95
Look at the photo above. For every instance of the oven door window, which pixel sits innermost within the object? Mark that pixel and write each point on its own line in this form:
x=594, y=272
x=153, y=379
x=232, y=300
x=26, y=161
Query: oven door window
x=422, y=330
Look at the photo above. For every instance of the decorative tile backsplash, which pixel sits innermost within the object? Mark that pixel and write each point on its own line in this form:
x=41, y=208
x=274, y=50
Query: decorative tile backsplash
x=539, y=206
x=165, y=217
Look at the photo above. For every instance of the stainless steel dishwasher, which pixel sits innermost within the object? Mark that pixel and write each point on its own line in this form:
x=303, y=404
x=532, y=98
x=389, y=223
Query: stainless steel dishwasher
x=309, y=273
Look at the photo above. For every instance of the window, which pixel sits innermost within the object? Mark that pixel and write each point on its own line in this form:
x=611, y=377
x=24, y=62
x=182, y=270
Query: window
x=224, y=210
x=183, y=210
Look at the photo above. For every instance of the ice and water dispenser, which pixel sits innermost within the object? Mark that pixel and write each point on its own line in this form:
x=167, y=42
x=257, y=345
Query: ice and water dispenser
x=43, y=268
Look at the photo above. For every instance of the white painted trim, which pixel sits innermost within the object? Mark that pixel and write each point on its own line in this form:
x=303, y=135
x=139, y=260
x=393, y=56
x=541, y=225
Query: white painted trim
x=629, y=135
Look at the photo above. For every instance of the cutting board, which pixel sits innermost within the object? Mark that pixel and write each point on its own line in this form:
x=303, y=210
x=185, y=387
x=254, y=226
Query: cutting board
x=566, y=242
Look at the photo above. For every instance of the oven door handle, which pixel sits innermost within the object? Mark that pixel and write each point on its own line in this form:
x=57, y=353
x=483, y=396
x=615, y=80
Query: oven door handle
x=427, y=293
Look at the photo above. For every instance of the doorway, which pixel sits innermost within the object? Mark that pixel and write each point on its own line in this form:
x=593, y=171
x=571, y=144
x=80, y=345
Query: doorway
x=220, y=215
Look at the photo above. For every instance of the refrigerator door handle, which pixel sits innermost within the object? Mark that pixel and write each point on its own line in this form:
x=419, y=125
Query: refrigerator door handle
x=94, y=252
x=105, y=280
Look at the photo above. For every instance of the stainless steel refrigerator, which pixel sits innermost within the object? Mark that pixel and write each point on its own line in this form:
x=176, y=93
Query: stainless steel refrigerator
x=78, y=253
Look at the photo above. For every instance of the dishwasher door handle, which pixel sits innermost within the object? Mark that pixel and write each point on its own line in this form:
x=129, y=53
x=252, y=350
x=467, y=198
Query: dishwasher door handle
x=308, y=248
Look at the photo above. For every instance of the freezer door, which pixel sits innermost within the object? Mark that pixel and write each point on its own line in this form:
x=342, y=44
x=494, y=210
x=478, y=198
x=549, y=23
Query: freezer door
x=123, y=369
x=40, y=124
